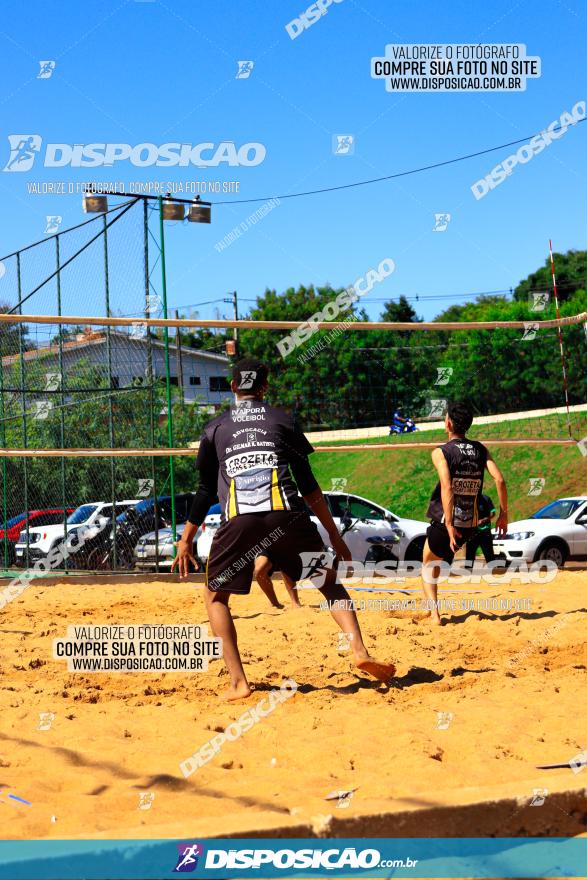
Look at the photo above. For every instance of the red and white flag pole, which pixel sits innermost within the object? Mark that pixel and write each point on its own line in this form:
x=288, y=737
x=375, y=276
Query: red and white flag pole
x=560, y=341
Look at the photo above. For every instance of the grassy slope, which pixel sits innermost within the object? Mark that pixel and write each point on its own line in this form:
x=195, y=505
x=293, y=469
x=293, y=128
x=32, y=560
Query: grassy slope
x=404, y=480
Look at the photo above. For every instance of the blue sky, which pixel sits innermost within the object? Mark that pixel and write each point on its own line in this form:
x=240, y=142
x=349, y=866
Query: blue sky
x=157, y=72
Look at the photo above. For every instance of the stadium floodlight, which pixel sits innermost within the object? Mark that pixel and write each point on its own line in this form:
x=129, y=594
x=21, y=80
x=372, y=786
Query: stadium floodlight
x=199, y=212
x=95, y=204
x=173, y=210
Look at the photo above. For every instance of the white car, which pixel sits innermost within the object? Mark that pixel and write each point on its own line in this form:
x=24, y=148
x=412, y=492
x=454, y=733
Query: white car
x=371, y=520
x=556, y=532
x=87, y=519
x=368, y=521
x=156, y=550
x=207, y=531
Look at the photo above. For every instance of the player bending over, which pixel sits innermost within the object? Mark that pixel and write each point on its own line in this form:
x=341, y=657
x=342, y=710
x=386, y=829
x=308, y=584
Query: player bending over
x=254, y=460
x=455, y=501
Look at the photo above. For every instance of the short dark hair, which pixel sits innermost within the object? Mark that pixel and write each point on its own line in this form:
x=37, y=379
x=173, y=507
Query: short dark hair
x=250, y=374
x=461, y=416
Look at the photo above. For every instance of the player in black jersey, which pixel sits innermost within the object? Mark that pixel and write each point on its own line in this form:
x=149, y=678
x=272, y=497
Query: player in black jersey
x=454, y=505
x=254, y=459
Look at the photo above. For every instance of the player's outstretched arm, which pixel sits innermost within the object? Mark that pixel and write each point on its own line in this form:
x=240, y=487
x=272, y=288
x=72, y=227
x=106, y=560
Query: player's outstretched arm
x=207, y=464
x=501, y=522
x=317, y=504
x=185, y=552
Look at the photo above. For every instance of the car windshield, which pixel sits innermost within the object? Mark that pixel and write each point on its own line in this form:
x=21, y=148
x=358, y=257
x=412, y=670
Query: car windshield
x=558, y=509
x=14, y=521
x=139, y=508
x=82, y=514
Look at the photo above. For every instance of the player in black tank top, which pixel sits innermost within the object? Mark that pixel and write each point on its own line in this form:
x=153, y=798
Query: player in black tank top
x=454, y=504
x=254, y=459
x=466, y=460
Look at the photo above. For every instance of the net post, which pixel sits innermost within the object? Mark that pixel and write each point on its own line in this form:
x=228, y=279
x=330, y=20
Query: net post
x=62, y=397
x=150, y=375
x=167, y=376
x=4, y=463
x=24, y=412
x=560, y=341
x=110, y=389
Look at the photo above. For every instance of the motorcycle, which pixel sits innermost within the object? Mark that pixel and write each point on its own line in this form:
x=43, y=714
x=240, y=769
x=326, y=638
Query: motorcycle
x=407, y=426
x=381, y=547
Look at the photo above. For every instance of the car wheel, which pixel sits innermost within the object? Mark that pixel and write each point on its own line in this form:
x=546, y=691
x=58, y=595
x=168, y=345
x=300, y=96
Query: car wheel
x=553, y=551
x=415, y=550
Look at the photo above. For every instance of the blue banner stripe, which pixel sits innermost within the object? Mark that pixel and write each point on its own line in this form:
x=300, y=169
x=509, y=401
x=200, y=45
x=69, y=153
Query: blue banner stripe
x=312, y=857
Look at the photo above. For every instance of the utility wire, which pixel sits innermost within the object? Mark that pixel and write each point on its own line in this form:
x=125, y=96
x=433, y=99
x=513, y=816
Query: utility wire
x=313, y=192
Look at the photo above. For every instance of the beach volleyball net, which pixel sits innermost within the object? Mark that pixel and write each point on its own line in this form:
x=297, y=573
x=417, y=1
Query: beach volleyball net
x=103, y=395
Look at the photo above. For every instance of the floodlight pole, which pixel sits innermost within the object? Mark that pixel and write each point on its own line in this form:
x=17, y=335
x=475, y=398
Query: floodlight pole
x=167, y=376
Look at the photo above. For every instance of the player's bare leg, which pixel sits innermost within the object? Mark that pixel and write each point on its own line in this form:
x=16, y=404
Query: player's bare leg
x=261, y=572
x=290, y=586
x=222, y=626
x=346, y=618
x=430, y=575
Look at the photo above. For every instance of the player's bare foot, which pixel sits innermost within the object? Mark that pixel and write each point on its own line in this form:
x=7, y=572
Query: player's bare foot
x=431, y=616
x=380, y=671
x=239, y=691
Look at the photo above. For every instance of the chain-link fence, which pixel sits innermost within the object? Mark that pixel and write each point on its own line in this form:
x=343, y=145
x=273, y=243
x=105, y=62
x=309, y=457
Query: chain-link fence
x=85, y=387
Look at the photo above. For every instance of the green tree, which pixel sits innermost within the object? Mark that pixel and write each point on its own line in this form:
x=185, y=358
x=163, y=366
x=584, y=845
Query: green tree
x=342, y=378
x=400, y=311
x=502, y=370
x=571, y=276
x=9, y=335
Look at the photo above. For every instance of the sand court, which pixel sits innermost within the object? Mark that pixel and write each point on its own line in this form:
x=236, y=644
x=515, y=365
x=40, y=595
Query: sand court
x=451, y=744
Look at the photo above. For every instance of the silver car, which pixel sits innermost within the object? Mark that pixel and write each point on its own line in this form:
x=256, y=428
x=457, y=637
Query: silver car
x=146, y=557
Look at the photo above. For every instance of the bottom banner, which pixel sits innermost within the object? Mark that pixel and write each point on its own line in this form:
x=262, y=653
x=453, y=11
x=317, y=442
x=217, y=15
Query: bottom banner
x=529, y=857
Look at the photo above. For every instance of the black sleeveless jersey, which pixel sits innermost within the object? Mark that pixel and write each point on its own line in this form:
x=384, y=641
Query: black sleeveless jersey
x=466, y=461
x=254, y=444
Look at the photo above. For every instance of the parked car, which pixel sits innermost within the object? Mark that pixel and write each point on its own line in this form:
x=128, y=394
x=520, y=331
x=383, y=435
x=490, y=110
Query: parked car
x=87, y=520
x=371, y=532
x=207, y=531
x=12, y=529
x=557, y=532
x=372, y=520
x=140, y=519
x=148, y=558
